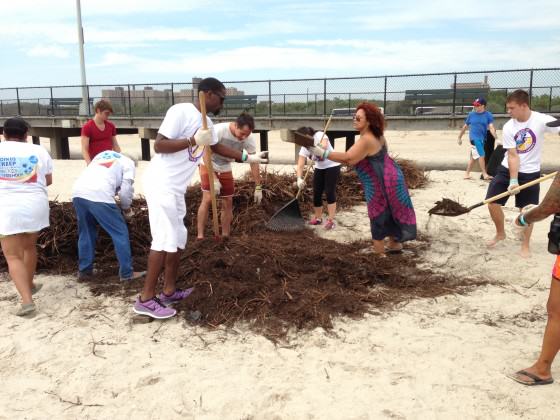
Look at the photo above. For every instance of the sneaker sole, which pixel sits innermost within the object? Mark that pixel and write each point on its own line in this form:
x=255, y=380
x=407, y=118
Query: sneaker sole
x=150, y=314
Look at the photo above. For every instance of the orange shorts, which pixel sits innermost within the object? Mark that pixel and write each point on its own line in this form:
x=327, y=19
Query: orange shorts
x=556, y=268
x=225, y=178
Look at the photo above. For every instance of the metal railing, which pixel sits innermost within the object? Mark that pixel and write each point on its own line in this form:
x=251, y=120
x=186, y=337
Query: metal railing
x=302, y=97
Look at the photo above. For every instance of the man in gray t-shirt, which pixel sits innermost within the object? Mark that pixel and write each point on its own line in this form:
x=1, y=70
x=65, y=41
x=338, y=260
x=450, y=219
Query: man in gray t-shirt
x=233, y=135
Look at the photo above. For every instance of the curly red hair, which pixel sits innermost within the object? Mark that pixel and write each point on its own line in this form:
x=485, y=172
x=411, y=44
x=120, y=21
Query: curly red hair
x=374, y=117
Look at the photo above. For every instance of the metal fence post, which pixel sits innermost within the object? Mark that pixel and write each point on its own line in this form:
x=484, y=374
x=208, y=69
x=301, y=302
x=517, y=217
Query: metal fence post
x=18, y=104
x=129, y=102
x=52, y=102
x=454, y=93
x=324, y=96
x=530, y=87
x=269, y=99
x=88, y=100
x=349, y=100
x=385, y=96
x=172, y=95
x=550, y=100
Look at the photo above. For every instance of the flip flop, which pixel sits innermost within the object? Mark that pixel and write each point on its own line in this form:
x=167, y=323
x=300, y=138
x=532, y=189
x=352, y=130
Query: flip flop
x=393, y=251
x=535, y=379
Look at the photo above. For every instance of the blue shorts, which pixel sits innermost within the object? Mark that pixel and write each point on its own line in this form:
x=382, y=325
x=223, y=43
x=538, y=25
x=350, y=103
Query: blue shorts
x=479, y=144
x=500, y=184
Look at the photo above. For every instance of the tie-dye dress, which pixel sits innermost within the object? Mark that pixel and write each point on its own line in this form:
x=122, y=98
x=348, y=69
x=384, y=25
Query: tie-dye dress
x=388, y=201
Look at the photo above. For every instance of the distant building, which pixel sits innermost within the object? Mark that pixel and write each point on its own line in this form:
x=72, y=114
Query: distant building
x=473, y=85
x=154, y=97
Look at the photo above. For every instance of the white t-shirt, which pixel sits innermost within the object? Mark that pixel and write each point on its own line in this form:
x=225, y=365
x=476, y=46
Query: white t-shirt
x=319, y=162
x=226, y=137
x=24, y=203
x=172, y=172
x=527, y=137
x=108, y=174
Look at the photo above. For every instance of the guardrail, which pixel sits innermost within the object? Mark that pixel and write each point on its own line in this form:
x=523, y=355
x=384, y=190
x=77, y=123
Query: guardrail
x=300, y=97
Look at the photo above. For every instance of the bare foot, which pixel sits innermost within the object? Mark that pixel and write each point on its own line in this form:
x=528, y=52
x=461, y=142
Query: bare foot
x=487, y=177
x=467, y=176
x=495, y=241
x=525, y=253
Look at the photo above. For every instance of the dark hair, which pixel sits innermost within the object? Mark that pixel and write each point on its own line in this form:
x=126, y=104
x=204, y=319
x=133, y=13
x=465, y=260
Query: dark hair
x=519, y=96
x=245, y=120
x=210, y=84
x=374, y=117
x=15, y=127
x=103, y=105
x=308, y=131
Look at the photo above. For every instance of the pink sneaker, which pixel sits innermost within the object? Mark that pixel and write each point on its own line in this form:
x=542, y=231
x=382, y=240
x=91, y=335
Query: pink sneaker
x=177, y=296
x=153, y=308
x=330, y=224
x=315, y=221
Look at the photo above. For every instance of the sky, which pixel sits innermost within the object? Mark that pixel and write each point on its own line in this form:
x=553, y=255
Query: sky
x=160, y=41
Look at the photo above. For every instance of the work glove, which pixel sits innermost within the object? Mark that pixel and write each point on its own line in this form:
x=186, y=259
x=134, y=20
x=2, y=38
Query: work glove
x=257, y=196
x=319, y=151
x=128, y=214
x=300, y=183
x=217, y=186
x=259, y=157
x=513, y=186
x=519, y=228
x=203, y=137
x=459, y=141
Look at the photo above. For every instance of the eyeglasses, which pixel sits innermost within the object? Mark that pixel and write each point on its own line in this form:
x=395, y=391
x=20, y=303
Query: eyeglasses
x=219, y=95
x=356, y=118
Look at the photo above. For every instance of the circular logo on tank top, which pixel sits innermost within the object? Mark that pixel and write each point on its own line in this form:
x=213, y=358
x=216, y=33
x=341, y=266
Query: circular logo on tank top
x=525, y=140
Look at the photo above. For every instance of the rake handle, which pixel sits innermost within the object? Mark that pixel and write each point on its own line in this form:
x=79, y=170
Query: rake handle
x=508, y=193
x=208, y=163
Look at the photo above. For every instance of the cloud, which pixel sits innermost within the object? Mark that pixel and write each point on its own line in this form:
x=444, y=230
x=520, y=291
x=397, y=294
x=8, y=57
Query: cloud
x=48, y=51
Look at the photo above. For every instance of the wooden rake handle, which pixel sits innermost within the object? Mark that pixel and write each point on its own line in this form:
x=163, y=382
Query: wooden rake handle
x=521, y=187
x=208, y=163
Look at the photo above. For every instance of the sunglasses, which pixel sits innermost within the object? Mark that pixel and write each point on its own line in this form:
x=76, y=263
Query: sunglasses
x=219, y=95
x=356, y=118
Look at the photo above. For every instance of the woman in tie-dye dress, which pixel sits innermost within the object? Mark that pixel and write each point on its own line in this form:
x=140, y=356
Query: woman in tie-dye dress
x=389, y=206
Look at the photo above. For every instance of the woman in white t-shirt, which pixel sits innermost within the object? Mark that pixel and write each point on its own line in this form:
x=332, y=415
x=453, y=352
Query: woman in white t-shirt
x=325, y=178
x=25, y=172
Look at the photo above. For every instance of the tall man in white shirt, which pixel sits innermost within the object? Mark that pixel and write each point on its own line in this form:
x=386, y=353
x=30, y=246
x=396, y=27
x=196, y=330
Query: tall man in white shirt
x=179, y=148
x=93, y=197
x=523, y=138
x=234, y=135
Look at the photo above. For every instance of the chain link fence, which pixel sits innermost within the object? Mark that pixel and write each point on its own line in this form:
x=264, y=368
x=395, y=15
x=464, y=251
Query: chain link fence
x=398, y=95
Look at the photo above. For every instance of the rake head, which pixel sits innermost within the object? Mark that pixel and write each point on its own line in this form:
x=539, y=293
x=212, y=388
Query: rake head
x=287, y=219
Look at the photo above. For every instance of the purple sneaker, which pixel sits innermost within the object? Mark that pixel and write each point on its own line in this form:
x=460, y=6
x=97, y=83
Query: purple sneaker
x=154, y=308
x=177, y=296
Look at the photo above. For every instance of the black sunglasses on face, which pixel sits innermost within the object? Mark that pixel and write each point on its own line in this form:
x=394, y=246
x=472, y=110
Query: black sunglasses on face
x=219, y=95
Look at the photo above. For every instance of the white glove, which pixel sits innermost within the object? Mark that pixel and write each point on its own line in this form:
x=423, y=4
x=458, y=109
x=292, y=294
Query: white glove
x=128, y=214
x=260, y=157
x=217, y=186
x=300, y=183
x=459, y=141
x=319, y=151
x=514, y=186
x=518, y=228
x=257, y=196
x=203, y=137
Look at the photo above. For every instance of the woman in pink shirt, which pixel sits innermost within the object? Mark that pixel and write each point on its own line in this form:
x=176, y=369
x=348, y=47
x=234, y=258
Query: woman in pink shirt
x=99, y=134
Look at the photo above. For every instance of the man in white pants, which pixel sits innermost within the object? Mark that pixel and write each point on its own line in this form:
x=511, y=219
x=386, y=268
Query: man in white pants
x=179, y=147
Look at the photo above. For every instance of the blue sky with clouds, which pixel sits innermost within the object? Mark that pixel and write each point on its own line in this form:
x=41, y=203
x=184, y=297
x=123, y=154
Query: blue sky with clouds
x=151, y=41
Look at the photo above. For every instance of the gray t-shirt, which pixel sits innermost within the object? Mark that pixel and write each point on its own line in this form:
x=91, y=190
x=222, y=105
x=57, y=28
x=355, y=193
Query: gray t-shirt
x=225, y=137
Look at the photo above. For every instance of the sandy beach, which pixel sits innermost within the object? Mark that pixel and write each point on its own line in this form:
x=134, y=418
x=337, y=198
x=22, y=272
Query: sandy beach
x=445, y=358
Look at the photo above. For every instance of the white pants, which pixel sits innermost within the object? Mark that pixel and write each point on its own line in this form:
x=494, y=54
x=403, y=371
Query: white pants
x=166, y=212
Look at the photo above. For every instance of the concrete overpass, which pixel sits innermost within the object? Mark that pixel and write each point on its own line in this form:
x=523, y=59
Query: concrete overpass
x=59, y=129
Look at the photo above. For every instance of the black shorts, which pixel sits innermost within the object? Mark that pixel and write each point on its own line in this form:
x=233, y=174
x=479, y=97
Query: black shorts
x=500, y=184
